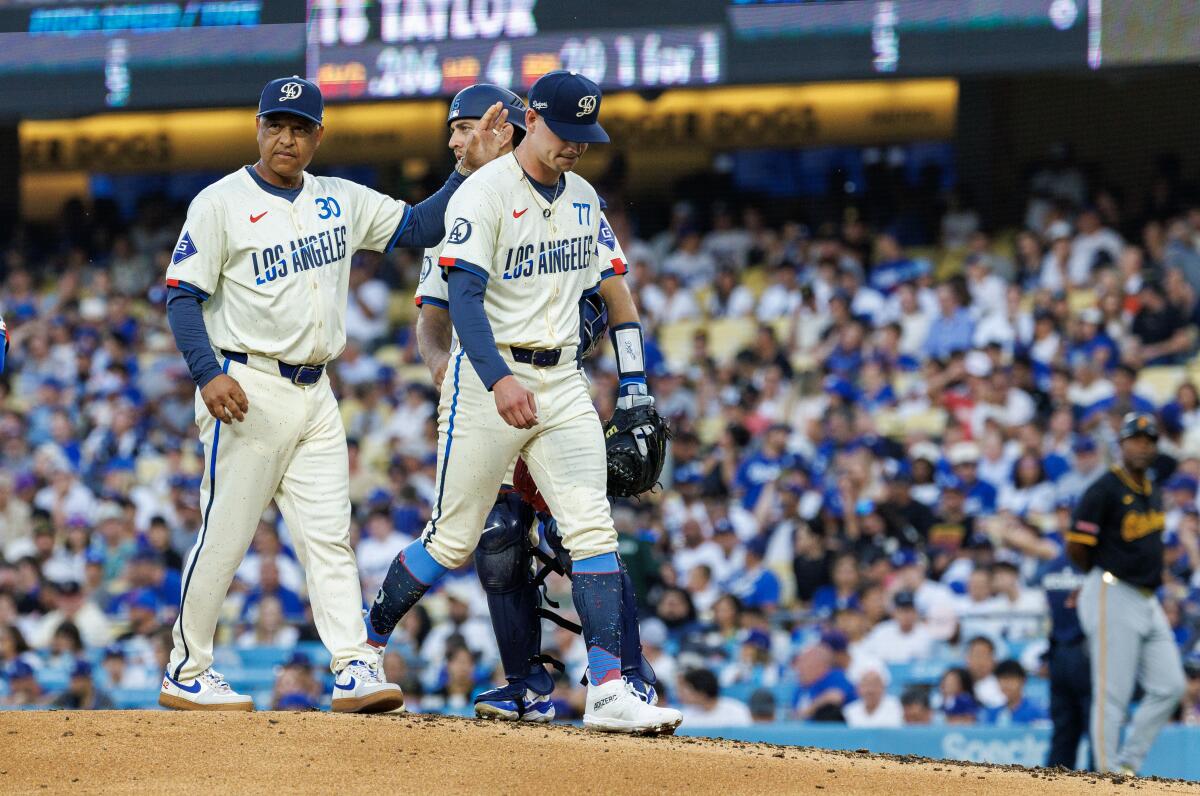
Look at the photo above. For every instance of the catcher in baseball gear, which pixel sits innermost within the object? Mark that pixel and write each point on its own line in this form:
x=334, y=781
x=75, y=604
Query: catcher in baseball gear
x=636, y=441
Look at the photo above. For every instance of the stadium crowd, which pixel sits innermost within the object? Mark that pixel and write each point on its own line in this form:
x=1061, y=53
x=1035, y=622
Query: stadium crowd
x=877, y=449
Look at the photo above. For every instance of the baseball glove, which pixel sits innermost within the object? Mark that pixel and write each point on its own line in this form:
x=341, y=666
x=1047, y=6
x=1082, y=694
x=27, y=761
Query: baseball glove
x=527, y=489
x=636, y=442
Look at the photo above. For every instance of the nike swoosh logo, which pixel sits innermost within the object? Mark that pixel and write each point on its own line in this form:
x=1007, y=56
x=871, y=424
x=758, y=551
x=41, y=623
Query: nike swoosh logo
x=518, y=215
x=254, y=219
x=194, y=688
x=348, y=687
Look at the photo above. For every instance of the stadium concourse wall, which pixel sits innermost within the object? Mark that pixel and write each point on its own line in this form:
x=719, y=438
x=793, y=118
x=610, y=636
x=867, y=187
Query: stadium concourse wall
x=1176, y=752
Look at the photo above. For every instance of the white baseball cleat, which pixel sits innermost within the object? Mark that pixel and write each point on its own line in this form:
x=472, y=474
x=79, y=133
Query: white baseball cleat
x=359, y=688
x=209, y=691
x=615, y=707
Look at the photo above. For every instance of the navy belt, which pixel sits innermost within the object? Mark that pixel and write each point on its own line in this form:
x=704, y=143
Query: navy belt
x=304, y=375
x=538, y=357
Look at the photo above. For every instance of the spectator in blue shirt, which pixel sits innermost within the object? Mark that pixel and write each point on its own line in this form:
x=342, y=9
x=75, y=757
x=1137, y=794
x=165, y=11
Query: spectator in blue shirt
x=954, y=330
x=980, y=495
x=893, y=268
x=756, y=586
x=1017, y=709
x=269, y=585
x=843, y=591
x=765, y=466
x=146, y=571
x=1122, y=401
x=824, y=690
x=1092, y=342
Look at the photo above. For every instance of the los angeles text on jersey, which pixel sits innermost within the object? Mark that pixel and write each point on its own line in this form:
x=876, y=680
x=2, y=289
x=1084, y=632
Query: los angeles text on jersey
x=311, y=251
x=549, y=257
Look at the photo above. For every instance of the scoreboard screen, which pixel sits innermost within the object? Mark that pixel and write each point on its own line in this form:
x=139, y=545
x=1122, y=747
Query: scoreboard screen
x=396, y=48
x=65, y=59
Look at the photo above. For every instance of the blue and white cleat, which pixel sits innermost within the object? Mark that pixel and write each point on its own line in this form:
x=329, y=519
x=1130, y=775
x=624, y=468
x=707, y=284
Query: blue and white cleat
x=208, y=691
x=359, y=688
x=615, y=707
x=643, y=688
x=514, y=702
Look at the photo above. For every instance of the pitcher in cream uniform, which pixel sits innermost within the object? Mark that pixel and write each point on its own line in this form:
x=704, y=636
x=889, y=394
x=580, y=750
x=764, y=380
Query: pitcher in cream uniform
x=520, y=251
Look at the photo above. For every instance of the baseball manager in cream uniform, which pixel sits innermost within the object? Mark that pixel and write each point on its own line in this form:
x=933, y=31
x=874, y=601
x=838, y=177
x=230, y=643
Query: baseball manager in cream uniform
x=257, y=301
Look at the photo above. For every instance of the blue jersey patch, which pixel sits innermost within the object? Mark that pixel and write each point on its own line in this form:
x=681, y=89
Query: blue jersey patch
x=606, y=235
x=184, y=249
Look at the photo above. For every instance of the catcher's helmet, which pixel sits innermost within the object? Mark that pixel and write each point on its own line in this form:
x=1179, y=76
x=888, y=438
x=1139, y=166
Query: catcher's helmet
x=473, y=101
x=1139, y=424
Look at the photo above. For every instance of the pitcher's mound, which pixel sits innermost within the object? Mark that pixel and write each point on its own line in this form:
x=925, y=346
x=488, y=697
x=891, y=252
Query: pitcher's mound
x=87, y=752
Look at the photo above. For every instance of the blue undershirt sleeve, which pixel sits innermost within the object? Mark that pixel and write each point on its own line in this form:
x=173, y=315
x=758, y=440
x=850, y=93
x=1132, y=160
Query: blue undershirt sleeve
x=424, y=225
x=187, y=324
x=474, y=331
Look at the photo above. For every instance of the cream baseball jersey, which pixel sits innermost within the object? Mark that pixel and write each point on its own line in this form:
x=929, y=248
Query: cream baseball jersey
x=274, y=273
x=537, y=258
x=433, y=290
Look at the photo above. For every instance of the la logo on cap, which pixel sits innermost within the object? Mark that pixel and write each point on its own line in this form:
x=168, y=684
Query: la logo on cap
x=290, y=91
x=587, y=105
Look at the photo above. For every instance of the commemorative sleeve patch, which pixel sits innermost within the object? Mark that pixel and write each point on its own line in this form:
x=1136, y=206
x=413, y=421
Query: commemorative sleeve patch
x=184, y=249
x=606, y=235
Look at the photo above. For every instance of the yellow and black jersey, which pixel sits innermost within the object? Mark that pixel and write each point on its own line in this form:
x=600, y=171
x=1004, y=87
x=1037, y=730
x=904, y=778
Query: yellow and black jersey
x=1122, y=518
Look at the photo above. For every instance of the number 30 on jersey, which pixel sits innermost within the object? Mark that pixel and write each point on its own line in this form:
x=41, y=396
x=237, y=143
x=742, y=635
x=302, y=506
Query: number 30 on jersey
x=328, y=207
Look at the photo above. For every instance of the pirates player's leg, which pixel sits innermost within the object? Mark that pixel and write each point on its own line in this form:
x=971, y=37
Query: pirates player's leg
x=243, y=462
x=1108, y=613
x=314, y=498
x=475, y=448
x=1160, y=673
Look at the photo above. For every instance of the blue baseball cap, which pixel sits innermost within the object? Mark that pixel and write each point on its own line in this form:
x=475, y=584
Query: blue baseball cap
x=1084, y=445
x=292, y=95
x=570, y=104
x=18, y=669
x=835, y=639
x=296, y=702
x=82, y=668
x=1182, y=481
x=757, y=638
x=952, y=483
x=144, y=599
x=961, y=705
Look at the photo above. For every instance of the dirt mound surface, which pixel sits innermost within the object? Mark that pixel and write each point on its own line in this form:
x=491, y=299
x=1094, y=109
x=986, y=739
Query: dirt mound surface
x=90, y=752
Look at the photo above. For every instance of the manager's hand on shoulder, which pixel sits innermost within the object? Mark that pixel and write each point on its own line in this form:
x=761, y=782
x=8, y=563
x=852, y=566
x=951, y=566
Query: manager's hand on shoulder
x=516, y=405
x=487, y=139
x=225, y=399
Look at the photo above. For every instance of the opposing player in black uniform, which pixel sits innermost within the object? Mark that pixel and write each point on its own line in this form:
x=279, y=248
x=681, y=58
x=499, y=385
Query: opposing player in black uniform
x=1116, y=536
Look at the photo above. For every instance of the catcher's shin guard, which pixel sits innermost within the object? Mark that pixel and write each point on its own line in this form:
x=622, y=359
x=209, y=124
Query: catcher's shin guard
x=504, y=563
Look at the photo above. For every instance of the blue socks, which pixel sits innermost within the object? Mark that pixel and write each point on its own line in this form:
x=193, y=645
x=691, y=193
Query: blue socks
x=410, y=576
x=596, y=591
